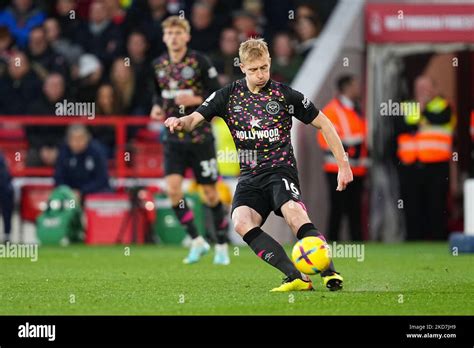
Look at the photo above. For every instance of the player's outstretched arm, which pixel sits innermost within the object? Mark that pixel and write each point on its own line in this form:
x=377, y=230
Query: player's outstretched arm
x=344, y=176
x=186, y=123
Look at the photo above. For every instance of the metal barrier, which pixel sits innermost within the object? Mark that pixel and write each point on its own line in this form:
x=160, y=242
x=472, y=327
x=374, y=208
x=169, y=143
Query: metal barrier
x=120, y=168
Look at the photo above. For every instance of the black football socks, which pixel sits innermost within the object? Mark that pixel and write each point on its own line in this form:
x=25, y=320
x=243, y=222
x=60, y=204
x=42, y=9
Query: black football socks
x=270, y=251
x=186, y=218
x=221, y=224
x=308, y=230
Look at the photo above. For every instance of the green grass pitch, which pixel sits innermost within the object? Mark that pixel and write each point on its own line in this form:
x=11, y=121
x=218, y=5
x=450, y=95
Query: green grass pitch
x=394, y=279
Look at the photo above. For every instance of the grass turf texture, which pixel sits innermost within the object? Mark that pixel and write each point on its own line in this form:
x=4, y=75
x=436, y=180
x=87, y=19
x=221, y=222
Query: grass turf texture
x=400, y=279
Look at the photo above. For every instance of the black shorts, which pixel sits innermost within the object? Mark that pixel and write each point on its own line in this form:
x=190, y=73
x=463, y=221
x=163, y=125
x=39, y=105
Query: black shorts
x=200, y=157
x=268, y=191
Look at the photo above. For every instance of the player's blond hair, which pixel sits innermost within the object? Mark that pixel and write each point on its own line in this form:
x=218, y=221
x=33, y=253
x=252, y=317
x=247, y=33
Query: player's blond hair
x=176, y=21
x=253, y=49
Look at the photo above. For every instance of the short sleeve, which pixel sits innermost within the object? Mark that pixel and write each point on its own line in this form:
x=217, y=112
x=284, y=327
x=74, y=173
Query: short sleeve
x=303, y=108
x=215, y=104
x=209, y=75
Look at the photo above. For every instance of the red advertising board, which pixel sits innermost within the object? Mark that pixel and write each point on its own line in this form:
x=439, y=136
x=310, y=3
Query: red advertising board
x=107, y=214
x=419, y=23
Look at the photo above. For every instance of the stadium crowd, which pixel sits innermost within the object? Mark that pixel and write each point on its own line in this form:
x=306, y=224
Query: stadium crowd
x=101, y=51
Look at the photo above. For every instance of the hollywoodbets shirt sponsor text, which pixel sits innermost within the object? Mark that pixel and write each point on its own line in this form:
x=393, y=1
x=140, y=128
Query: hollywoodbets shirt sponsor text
x=261, y=121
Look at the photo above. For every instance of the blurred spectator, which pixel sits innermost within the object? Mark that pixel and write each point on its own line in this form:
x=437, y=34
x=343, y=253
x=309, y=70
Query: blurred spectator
x=278, y=18
x=19, y=88
x=285, y=63
x=226, y=59
x=6, y=45
x=123, y=79
x=147, y=16
x=307, y=29
x=83, y=8
x=101, y=37
x=107, y=104
x=20, y=18
x=43, y=59
x=137, y=49
x=82, y=164
x=7, y=202
x=61, y=45
x=68, y=19
x=255, y=8
x=203, y=30
x=343, y=113
x=116, y=12
x=89, y=77
x=320, y=9
x=221, y=10
x=306, y=11
x=44, y=140
x=425, y=150
x=246, y=25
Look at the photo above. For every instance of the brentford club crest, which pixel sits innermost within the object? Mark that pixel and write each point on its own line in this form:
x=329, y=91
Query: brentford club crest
x=272, y=107
x=187, y=72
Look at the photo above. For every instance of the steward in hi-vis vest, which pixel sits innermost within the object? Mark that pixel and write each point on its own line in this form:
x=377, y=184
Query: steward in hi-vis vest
x=351, y=128
x=424, y=151
x=429, y=138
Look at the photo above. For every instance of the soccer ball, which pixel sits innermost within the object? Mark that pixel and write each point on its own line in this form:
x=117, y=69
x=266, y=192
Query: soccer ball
x=311, y=255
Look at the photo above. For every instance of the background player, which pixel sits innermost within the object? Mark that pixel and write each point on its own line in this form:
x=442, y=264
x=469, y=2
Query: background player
x=183, y=78
x=258, y=112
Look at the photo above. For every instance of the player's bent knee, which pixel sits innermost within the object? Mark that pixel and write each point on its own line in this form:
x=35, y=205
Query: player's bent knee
x=241, y=226
x=245, y=219
x=295, y=215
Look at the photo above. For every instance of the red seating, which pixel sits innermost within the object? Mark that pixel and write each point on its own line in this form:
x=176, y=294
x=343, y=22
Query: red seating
x=109, y=221
x=147, y=159
x=15, y=154
x=12, y=134
x=32, y=197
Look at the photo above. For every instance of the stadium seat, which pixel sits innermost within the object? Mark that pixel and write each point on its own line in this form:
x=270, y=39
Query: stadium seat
x=147, y=160
x=109, y=221
x=15, y=154
x=12, y=135
x=32, y=198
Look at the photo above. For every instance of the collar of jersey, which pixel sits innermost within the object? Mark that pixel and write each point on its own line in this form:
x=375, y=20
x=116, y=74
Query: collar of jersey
x=264, y=88
x=182, y=59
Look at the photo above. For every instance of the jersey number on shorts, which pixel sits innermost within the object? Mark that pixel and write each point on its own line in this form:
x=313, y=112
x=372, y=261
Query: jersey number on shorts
x=209, y=168
x=290, y=186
